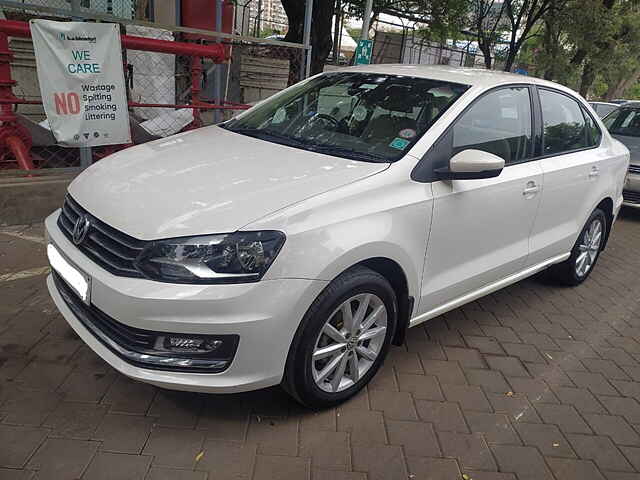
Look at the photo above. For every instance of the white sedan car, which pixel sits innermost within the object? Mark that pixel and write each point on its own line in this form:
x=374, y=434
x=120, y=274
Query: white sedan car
x=293, y=244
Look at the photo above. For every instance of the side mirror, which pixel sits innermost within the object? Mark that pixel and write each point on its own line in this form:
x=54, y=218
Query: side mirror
x=471, y=165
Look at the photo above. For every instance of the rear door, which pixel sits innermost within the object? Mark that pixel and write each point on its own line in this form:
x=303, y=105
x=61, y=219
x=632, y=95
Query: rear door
x=480, y=228
x=572, y=166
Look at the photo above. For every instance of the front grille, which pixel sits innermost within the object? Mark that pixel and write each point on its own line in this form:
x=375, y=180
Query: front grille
x=111, y=249
x=635, y=169
x=137, y=346
x=631, y=197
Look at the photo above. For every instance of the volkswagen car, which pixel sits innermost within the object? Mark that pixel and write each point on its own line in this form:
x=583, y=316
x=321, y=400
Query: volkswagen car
x=624, y=124
x=296, y=242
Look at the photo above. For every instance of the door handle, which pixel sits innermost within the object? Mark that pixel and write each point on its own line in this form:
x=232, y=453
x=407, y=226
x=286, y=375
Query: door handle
x=595, y=171
x=531, y=189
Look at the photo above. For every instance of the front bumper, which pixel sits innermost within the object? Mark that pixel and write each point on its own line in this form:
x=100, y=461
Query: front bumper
x=631, y=191
x=265, y=316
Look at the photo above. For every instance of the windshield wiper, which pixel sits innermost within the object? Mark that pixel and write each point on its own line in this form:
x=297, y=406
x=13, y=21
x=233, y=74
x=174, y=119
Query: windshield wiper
x=347, y=153
x=267, y=135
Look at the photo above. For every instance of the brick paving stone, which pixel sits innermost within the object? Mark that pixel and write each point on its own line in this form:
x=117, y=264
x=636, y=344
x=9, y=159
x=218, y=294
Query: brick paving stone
x=433, y=468
x=517, y=407
x=123, y=433
x=403, y=361
x=321, y=474
x=469, y=397
x=274, y=436
x=606, y=367
x=318, y=420
x=75, y=420
x=446, y=371
x=525, y=352
x=224, y=417
x=621, y=476
x=509, y=366
x=84, y=385
x=128, y=396
x=615, y=427
x=160, y=473
x=176, y=409
x=480, y=475
x=384, y=379
x=633, y=455
x=601, y=450
x=470, y=449
x=18, y=444
x=484, y=344
x=540, y=340
x=60, y=458
x=489, y=380
x=227, y=459
x=365, y=428
x=174, y=447
x=547, y=438
x=628, y=408
x=502, y=334
x=380, y=462
x=43, y=375
x=424, y=387
x=565, y=416
x=326, y=449
x=581, y=398
x=117, y=466
x=495, y=427
x=445, y=416
x=525, y=462
x=572, y=469
x=595, y=382
x=394, y=405
x=466, y=357
x=29, y=407
x=536, y=390
x=281, y=468
x=417, y=438
x=11, y=474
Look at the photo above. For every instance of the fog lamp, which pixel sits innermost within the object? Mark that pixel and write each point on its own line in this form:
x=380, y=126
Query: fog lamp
x=187, y=344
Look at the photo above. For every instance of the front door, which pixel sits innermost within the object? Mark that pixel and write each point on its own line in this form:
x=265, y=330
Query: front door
x=480, y=228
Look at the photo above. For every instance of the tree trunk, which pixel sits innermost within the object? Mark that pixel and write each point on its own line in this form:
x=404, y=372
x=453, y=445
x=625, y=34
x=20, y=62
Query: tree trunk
x=486, y=52
x=588, y=76
x=321, y=42
x=619, y=89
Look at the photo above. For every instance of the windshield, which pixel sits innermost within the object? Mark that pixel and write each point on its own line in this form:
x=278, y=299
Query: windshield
x=624, y=121
x=361, y=116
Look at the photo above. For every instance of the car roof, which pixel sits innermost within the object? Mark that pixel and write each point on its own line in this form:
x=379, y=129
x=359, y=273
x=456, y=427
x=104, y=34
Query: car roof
x=467, y=76
x=604, y=103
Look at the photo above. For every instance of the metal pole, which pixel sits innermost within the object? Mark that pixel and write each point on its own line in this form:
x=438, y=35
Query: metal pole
x=366, y=20
x=337, y=33
x=258, y=26
x=307, y=36
x=86, y=157
x=217, y=88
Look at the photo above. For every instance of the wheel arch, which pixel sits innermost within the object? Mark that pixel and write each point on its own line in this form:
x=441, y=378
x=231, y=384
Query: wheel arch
x=606, y=205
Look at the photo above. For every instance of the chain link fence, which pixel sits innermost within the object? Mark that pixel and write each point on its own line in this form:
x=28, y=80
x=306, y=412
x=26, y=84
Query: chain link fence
x=167, y=93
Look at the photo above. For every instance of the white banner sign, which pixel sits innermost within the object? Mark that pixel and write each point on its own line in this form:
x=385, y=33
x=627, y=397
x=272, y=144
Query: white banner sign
x=82, y=82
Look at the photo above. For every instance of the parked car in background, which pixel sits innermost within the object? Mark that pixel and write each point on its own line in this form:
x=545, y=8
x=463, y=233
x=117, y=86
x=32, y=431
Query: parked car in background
x=603, y=108
x=624, y=125
x=294, y=243
x=619, y=101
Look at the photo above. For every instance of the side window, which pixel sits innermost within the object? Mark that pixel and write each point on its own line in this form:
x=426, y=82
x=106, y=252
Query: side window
x=498, y=123
x=594, y=134
x=564, y=125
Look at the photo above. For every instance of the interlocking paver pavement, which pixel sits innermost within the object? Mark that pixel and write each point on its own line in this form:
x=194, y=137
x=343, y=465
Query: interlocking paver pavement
x=533, y=382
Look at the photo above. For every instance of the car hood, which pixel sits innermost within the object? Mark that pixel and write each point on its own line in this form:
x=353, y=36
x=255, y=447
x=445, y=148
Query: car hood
x=633, y=144
x=207, y=180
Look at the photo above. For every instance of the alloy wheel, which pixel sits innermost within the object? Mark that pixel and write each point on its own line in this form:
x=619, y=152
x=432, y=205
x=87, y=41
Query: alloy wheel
x=589, y=248
x=349, y=342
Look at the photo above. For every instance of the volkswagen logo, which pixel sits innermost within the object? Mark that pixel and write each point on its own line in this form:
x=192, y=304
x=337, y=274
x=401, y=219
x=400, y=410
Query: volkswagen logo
x=80, y=229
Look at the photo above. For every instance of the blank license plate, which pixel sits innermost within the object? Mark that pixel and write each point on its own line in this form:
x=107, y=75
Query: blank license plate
x=76, y=279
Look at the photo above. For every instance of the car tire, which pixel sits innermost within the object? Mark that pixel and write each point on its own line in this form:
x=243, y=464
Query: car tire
x=585, y=253
x=325, y=365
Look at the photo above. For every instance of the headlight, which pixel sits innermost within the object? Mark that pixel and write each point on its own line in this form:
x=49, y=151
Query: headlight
x=239, y=257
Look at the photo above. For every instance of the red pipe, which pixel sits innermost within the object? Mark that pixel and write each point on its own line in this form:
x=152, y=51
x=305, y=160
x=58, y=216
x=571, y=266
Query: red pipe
x=214, y=51
x=21, y=152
